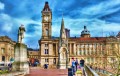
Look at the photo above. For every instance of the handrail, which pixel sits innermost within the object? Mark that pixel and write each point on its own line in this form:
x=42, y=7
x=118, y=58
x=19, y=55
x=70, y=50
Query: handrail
x=90, y=71
x=104, y=71
x=85, y=72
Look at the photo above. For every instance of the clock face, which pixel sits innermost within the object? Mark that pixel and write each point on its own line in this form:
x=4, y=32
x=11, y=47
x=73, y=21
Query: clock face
x=46, y=18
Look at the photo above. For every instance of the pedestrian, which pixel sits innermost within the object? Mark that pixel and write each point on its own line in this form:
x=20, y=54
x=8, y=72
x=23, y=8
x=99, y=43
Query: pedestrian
x=82, y=63
x=10, y=66
x=76, y=63
x=45, y=66
x=73, y=66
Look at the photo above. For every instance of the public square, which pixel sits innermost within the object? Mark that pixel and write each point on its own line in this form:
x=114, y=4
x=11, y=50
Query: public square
x=60, y=38
x=37, y=71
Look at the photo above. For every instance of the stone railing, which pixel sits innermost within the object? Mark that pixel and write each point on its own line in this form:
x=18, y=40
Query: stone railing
x=90, y=71
x=84, y=72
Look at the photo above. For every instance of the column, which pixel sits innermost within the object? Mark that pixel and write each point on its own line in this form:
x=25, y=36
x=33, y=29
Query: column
x=70, y=49
x=96, y=49
x=50, y=49
x=92, y=49
x=74, y=48
x=81, y=51
x=86, y=49
x=100, y=49
x=78, y=51
x=89, y=50
x=57, y=49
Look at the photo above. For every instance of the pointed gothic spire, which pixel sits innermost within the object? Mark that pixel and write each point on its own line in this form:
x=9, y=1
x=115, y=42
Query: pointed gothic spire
x=62, y=30
x=62, y=24
x=46, y=7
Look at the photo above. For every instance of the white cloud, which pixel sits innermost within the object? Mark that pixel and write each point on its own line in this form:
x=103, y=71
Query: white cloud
x=4, y=17
x=102, y=8
x=29, y=38
x=7, y=22
x=56, y=29
x=7, y=27
x=2, y=6
x=95, y=26
x=37, y=32
x=26, y=21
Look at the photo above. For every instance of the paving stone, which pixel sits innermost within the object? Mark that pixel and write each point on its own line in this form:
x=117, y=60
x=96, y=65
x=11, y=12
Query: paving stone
x=47, y=72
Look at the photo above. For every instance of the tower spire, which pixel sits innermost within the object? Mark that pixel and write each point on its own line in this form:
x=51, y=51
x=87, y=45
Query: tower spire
x=62, y=30
x=62, y=15
x=46, y=7
x=62, y=23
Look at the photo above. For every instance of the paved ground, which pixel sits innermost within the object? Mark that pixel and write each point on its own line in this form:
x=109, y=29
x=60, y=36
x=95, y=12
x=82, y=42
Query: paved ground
x=36, y=71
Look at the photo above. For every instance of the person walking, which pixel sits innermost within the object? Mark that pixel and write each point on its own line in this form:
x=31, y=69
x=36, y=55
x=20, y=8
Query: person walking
x=76, y=63
x=73, y=66
x=82, y=63
x=45, y=66
x=10, y=66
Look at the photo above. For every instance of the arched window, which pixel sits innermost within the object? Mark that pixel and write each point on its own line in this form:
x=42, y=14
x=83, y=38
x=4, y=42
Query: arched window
x=47, y=32
x=3, y=58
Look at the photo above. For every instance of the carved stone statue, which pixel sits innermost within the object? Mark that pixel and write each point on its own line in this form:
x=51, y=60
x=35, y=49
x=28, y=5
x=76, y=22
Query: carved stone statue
x=20, y=55
x=21, y=33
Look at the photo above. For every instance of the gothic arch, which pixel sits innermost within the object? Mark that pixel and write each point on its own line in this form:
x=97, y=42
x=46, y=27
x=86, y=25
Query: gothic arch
x=63, y=54
x=62, y=49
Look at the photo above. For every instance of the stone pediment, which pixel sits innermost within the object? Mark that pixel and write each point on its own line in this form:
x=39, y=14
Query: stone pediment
x=6, y=39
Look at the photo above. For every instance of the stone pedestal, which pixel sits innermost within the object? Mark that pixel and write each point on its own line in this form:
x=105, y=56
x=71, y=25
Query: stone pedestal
x=21, y=63
x=63, y=66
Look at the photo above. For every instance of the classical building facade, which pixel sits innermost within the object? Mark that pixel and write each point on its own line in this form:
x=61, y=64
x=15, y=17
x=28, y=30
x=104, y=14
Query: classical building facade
x=33, y=53
x=59, y=51
x=7, y=49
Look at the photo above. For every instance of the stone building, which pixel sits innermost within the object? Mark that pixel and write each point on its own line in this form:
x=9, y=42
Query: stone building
x=59, y=51
x=7, y=49
x=33, y=53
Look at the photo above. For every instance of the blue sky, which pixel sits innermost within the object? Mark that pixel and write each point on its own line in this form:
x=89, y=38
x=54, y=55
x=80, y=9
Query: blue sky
x=102, y=17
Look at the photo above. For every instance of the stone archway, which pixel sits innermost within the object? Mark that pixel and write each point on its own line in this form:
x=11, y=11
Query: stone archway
x=63, y=57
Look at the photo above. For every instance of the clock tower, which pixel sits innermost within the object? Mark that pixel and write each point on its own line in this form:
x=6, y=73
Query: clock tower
x=46, y=22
